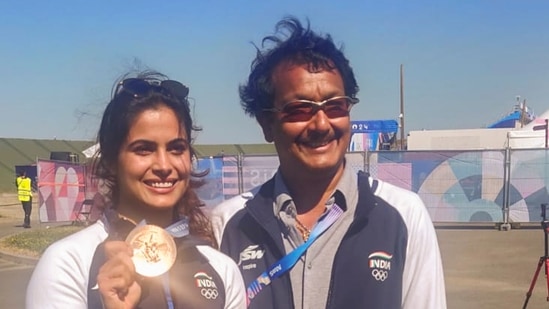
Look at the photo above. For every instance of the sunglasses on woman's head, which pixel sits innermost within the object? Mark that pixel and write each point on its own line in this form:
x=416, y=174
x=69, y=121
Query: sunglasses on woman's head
x=304, y=110
x=142, y=87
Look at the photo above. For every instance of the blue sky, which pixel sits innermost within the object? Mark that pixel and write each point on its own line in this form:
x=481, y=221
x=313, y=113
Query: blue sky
x=465, y=61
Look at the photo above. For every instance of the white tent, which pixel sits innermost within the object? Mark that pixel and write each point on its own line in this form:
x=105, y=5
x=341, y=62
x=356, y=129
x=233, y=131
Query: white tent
x=90, y=152
x=532, y=135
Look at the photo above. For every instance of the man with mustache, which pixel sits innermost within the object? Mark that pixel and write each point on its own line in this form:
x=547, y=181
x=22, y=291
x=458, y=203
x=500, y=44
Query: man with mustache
x=317, y=235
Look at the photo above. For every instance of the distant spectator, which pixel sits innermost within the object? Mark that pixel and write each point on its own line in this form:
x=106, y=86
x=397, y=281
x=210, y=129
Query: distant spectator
x=24, y=193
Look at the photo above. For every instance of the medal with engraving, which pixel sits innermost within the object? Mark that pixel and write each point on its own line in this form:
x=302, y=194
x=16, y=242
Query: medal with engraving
x=154, y=250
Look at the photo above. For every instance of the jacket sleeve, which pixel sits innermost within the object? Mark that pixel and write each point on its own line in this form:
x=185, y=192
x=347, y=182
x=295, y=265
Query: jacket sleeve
x=423, y=278
x=222, y=213
x=57, y=281
x=235, y=292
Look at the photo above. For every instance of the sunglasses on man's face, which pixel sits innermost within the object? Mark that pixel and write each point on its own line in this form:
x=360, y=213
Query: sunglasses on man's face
x=142, y=87
x=304, y=110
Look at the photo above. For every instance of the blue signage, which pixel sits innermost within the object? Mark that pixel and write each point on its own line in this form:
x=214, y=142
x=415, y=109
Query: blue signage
x=374, y=126
x=372, y=134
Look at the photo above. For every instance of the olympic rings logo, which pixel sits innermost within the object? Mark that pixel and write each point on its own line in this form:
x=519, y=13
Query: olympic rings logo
x=380, y=275
x=209, y=293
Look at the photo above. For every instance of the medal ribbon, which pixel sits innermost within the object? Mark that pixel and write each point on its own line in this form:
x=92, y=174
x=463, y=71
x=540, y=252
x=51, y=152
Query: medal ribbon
x=177, y=230
x=288, y=261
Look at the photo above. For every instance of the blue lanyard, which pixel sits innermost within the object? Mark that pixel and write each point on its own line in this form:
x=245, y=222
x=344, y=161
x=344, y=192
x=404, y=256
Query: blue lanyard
x=167, y=292
x=288, y=261
x=178, y=229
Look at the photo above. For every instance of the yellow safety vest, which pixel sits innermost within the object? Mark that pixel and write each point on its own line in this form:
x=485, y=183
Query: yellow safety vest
x=24, y=189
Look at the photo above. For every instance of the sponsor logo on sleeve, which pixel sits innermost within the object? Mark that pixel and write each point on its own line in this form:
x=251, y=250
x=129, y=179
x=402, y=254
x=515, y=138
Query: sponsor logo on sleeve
x=248, y=255
x=206, y=284
x=380, y=264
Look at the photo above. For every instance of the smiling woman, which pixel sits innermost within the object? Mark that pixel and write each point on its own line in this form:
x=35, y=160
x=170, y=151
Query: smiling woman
x=154, y=166
x=153, y=240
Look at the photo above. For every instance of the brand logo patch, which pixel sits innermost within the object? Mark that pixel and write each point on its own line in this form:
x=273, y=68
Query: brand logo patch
x=253, y=252
x=380, y=264
x=206, y=284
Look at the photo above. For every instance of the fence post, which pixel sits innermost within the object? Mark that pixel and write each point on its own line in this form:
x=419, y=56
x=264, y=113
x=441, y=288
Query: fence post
x=505, y=225
x=240, y=173
x=365, y=165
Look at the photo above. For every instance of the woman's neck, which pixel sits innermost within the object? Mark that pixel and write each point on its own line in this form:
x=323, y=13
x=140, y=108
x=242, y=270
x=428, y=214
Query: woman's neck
x=159, y=217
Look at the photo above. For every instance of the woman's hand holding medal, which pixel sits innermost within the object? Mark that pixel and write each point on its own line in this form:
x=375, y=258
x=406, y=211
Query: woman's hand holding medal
x=148, y=251
x=117, y=279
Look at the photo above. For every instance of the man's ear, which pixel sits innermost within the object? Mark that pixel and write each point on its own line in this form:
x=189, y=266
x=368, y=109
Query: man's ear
x=265, y=121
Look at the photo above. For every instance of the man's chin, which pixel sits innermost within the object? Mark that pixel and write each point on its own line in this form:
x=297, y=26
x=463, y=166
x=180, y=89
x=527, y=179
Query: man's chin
x=319, y=166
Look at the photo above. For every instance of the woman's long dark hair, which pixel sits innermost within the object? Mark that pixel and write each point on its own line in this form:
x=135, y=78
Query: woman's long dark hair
x=118, y=116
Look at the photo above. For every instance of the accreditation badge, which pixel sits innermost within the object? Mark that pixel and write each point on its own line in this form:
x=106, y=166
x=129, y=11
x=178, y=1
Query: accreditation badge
x=154, y=250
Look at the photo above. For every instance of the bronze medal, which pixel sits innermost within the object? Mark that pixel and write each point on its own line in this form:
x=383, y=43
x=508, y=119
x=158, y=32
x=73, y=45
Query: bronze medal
x=154, y=250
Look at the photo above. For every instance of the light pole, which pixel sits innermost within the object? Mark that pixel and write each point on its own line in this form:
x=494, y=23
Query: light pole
x=401, y=128
x=401, y=115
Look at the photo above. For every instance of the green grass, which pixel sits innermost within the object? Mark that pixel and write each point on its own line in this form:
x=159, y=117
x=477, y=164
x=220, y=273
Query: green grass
x=33, y=243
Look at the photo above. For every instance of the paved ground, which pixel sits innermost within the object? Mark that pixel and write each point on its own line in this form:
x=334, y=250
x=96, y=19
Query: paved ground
x=484, y=268
x=488, y=269
x=14, y=271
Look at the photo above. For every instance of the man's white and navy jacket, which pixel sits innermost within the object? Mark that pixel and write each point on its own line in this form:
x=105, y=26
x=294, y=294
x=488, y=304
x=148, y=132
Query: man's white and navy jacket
x=388, y=258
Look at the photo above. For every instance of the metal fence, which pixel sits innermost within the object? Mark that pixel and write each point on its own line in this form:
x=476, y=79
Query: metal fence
x=502, y=186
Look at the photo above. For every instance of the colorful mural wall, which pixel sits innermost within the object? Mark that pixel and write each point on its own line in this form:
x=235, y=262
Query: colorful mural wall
x=470, y=186
x=456, y=186
x=61, y=190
